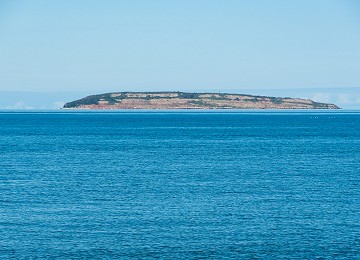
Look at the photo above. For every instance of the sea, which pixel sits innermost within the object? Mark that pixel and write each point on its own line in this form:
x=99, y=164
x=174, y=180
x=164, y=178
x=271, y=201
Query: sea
x=235, y=184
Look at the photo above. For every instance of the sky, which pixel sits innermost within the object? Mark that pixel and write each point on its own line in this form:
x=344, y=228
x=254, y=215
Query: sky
x=89, y=47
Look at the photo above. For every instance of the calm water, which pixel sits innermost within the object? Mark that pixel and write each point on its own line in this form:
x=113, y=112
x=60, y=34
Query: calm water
x=180, y=185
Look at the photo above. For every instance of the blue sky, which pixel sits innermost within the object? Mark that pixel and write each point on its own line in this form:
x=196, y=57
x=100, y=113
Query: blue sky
x=138, y=45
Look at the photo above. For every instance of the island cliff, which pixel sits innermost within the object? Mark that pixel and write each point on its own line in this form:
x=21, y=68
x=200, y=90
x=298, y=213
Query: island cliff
x=184, y=100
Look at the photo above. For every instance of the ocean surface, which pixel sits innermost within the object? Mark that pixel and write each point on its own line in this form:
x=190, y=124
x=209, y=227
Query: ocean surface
x=180, y=185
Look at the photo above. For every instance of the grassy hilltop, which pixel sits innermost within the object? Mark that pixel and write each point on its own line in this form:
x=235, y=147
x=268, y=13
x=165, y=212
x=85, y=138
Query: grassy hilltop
x=185, y=100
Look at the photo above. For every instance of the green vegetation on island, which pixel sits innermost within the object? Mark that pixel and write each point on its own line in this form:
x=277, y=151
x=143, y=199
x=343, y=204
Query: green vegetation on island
x=186, y=100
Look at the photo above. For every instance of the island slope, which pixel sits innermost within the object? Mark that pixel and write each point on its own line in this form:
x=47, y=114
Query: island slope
x=185, y=100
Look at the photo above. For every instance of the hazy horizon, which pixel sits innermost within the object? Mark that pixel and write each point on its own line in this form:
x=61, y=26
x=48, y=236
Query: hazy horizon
x=346, y=98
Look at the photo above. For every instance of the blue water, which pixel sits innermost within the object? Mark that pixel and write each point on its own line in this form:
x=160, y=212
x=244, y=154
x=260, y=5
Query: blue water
x=180, y=185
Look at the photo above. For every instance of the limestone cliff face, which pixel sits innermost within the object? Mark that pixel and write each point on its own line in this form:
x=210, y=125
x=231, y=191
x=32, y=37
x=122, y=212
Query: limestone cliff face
x=184, y=100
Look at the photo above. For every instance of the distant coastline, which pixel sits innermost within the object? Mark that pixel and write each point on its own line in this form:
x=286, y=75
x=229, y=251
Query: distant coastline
x=187, y=100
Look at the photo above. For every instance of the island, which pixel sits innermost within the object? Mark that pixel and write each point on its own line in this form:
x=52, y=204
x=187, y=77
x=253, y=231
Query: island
x=186, y=100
